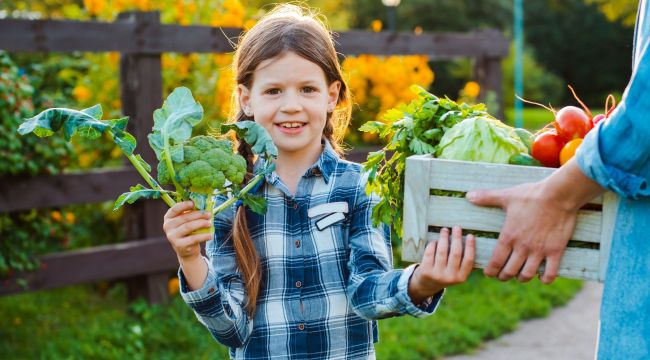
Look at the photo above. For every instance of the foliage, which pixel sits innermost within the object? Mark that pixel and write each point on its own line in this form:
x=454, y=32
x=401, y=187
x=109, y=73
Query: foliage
x=95, y=322
x=582, y=47
x=540, y=85
x=412, y=129
x=618, y=10
x=381, y=83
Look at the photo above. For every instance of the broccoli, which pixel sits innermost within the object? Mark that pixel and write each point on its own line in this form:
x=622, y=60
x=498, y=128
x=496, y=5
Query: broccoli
x=207, y=164
x=198, y=167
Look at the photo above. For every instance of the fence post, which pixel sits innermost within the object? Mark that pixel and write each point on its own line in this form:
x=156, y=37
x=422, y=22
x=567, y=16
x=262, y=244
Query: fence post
x=487, y=72
x=141, y=93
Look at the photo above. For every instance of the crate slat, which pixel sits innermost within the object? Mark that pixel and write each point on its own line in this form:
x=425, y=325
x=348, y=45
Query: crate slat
x=576, y=263
x=610, y=209
x=464, y=176
x=450, y=211
x=415, y=216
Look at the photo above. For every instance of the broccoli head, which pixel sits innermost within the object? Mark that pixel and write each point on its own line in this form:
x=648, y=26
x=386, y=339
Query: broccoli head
x=207, y=164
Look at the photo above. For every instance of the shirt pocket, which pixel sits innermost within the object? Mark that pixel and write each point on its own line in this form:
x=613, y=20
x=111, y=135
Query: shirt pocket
x=329, y=223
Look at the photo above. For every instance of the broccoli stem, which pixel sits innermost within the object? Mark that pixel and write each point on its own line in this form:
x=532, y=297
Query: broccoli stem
x=170, y=166
x=145, y=175
x=244, y=191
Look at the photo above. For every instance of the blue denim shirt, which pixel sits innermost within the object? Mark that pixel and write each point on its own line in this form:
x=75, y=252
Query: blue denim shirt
x=616, y=154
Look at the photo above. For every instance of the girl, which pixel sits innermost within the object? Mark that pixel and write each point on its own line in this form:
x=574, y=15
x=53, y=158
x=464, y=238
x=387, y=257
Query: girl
x=310, y=277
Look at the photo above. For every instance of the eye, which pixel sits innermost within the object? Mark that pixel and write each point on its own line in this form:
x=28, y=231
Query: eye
x=273, y=91
x=309, y=89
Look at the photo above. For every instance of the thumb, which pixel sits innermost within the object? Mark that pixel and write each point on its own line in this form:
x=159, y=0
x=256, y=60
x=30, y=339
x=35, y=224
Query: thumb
x=486, y=197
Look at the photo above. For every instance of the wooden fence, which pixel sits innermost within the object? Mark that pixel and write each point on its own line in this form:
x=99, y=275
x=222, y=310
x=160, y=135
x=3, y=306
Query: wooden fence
x=146, y=259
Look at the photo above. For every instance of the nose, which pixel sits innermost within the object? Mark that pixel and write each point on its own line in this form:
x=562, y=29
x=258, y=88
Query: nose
x=291, y=103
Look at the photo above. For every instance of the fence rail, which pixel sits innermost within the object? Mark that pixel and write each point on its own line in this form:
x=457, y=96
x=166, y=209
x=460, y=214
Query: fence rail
x=147, y=258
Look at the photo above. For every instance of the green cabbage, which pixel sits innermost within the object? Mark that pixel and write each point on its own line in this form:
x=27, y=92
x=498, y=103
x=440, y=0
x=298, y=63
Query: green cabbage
x=480, y=139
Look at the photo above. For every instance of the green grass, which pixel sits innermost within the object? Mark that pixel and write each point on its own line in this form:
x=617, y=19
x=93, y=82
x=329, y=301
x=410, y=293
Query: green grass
x=79, y=323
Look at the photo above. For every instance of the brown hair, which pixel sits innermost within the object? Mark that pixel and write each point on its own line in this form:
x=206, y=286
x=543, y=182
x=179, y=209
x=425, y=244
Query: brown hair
x=287, y=28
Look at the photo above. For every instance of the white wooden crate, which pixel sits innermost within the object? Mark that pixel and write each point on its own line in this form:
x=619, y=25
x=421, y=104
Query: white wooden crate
x=423, y=211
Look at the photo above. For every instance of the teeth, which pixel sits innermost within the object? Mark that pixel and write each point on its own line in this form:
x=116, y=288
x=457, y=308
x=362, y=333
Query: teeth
x=291, y=125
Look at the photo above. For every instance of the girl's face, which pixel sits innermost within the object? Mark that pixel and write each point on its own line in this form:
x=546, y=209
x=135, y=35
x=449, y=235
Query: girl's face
x=290, y=97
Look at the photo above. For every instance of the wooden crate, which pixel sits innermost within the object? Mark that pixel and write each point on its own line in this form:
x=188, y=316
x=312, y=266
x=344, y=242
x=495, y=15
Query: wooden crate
x=424, y=213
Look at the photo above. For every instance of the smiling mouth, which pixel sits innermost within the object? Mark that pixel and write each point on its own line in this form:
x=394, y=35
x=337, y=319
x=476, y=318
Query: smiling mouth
x=291, y=125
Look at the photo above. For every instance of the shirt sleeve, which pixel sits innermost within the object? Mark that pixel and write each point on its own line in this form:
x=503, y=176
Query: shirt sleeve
x=219, y=303
x=375, y=289
x=616, y=153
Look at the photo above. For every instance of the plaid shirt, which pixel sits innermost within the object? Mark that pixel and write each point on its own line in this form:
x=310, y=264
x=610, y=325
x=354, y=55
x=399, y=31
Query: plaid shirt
x=322, y=290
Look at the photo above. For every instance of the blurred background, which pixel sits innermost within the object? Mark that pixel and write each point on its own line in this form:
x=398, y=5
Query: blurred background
x=583, y=43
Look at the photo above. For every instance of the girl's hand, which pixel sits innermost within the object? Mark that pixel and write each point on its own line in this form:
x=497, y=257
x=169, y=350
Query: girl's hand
x=180, y=221
x=442, y=265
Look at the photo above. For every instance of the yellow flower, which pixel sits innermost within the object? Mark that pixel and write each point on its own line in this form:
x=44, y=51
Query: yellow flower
x=56, y=216
x=116, y=104
x=94, y=7
x=143, y=5
x=85, y=160
x=376, y=25
x=69, y=218
x=113, y=58
x=173, y=286
x=249, y=24
x=81, y=93
x=418, y=30
x=18, y=321
x=116, y=153
x=472, y=89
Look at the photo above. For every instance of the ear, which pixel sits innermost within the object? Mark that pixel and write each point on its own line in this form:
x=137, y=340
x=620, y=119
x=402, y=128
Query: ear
x=333, y=95
x=244, y=99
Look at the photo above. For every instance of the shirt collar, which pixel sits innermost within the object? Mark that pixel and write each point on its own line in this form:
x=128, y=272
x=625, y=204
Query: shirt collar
x=325, y=165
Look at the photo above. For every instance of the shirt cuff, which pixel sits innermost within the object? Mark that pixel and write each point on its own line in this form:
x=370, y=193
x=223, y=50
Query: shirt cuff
x=610, y=177
x=204, y=299
x=426, y=308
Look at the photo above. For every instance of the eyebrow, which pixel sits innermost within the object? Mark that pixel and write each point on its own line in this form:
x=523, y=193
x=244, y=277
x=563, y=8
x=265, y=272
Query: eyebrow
x=275, y=83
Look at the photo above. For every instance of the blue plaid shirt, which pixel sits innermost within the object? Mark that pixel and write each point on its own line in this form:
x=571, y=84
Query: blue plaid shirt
x=322, y=290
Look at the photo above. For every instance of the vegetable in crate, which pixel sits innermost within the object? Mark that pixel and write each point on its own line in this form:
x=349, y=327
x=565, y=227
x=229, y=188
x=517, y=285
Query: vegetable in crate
x=198, y=167
x=416, y=128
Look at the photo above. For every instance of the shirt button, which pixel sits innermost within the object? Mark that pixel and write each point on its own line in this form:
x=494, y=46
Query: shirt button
x=295, y=205
x=298, y=284
x=297, y=243
x=301, y=327
x=211, y=291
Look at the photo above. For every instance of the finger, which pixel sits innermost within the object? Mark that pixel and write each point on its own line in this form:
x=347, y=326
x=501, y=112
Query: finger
x=189, y=227
x=468, y=257
x=442, y=249
x=193, y=240
x=552, y=267
x=513, y=266
x=184, y=218
x=456, y=251
x=429, y=253
x=499, y=257
x=529, y=269
x=487, y=197
x=179, y=208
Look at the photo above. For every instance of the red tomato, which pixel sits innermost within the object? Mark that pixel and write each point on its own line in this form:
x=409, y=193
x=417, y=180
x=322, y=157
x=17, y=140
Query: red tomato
x=546, y=148
x=571, y=123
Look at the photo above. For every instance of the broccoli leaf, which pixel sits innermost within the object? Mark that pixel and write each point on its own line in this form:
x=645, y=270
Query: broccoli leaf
x=255, y=135
x=138, y=192
x=72, y=121
x=255, y=203
x=178, y=115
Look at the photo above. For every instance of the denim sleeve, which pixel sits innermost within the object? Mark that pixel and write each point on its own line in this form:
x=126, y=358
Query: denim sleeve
x=219, y=303
x=375, y=289
x=616, y=153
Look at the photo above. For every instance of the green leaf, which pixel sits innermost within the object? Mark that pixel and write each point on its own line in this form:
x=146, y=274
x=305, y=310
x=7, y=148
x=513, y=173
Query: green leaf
x=255, y=203
x=72, y=121
x=420, y=147
x=373, y=127
x=138, y=192
x=94, y=111
x=200, y=200
x=124, y=140
x=118, y=123
x=144, y=164
x=254, y=135
x=178, y=115
x=393, y=115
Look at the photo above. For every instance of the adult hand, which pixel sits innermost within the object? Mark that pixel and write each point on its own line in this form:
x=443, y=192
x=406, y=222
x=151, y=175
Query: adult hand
x=540, y=219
